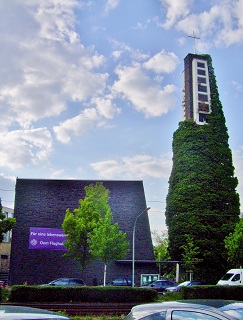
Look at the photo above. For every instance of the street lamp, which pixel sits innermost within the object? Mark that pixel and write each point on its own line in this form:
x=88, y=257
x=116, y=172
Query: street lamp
x=133, y=245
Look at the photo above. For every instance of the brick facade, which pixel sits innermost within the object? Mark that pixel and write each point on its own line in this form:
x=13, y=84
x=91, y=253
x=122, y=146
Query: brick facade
x=42, y=203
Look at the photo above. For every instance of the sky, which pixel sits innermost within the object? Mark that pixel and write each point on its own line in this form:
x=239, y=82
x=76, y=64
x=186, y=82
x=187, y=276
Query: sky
x=92, y=89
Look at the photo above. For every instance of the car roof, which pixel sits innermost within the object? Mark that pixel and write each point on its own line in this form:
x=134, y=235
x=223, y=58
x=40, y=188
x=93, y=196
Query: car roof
x=67, y=279
x=144, y=310
x=216, y=303
x=19, y=312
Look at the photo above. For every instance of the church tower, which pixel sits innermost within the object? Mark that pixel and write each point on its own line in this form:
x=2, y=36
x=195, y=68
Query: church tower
x=196, y=89
x=202, y=205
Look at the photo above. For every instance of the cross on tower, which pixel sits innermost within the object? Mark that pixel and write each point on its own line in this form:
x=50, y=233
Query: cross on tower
x=194, y=40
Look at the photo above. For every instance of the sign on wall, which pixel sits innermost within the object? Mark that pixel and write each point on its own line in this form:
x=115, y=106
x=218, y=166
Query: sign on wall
x=148, y=278
x=46, y=239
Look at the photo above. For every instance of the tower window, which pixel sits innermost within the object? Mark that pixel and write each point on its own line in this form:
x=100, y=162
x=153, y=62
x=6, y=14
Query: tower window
x=202, y=117
x=201, y=65
x=204, y=107
x=202, y=88
x=202, y=97
x=201, y=80
x=201, y=72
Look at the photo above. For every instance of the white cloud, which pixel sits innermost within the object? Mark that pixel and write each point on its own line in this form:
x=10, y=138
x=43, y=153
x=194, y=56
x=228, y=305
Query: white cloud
x=221, y=24
x=105, y=107
x=144, y=94
x=238, y=86
x=111, y=5
x=77, y=126
x=22, y=148
x=162, y=62
x=43, y=65
x=136, y=167
x=176, y=9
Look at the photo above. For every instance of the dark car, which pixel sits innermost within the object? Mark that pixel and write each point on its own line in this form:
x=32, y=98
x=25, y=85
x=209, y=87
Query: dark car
x=121, y=282
x=160, y=285
x=184, y=284
x=175, y=310
x=23, y=313
x=66, y=282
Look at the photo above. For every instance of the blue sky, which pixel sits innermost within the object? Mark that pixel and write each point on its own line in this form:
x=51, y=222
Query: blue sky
x=92, y=89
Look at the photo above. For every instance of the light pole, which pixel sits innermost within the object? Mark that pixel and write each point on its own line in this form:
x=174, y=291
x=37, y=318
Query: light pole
x=133, y=244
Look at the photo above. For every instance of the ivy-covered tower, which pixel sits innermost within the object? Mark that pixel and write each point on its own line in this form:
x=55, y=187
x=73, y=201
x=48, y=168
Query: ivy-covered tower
x=202, y=204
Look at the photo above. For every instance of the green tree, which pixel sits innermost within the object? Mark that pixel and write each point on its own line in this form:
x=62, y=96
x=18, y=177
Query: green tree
x=190, y=255
x=160, y=244
x=5, y=224
x=160, y=241
x=79, y=224
x=107, y=242
x=202, y=200
x=234, y=245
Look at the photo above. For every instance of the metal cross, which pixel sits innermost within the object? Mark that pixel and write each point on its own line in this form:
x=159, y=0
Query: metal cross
x=194, y=37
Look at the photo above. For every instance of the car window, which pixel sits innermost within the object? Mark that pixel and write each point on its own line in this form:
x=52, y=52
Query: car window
x=117, y=282
x=238, y=313
x=236, y=277
x=60, y=282
x=185, y=283
x=227, y=276
x=179, y=315
x=75, y=282
x=156, y=316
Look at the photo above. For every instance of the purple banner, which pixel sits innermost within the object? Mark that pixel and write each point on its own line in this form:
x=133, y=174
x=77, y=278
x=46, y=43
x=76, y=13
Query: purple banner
x=46, y=239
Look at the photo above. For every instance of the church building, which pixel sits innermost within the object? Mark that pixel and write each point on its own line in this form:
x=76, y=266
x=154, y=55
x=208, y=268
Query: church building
x=37, y=249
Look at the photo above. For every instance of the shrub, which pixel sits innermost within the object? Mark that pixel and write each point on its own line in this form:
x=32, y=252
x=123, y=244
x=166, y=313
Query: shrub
x=213, y=292
x=20, y=293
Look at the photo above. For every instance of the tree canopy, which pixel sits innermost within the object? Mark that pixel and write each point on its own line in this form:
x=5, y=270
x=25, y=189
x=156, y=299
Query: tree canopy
x=202, y=201
x=107, y=242
x=234, y=245
x=5, y=224
x=89, y=229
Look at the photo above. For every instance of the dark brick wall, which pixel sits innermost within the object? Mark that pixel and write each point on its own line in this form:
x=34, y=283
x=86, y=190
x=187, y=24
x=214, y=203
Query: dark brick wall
x=42, y=203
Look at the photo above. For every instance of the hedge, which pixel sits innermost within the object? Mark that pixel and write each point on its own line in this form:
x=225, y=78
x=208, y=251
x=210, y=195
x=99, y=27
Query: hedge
x=22, y=293
x=213, y=292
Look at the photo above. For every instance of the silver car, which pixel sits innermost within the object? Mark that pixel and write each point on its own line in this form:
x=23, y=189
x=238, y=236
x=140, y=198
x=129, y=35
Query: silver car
x=174, y=310
x=10, y=312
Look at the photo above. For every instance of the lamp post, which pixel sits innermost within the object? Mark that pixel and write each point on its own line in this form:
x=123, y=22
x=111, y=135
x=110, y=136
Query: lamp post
x=133, y=244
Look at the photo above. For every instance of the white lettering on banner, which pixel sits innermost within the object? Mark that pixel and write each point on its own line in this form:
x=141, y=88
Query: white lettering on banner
x=56, y=243
x=44, y=243
x=49, y=234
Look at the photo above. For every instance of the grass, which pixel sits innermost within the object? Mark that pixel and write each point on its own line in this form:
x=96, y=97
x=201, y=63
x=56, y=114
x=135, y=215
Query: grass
x=171, y=296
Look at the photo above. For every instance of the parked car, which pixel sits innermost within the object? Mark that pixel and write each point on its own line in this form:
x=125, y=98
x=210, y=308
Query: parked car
x=231, y=307
x=160, y=285
x=175, y=310
x=184, y=284
x=9, y=312
x=234, y=277
x=66, y=282
x=121, y=282
x=2, y=283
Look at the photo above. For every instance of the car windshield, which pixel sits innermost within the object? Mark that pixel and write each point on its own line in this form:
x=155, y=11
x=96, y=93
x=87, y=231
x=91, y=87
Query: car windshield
x=238, y=313
x=183, y=284
x=227, y=276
